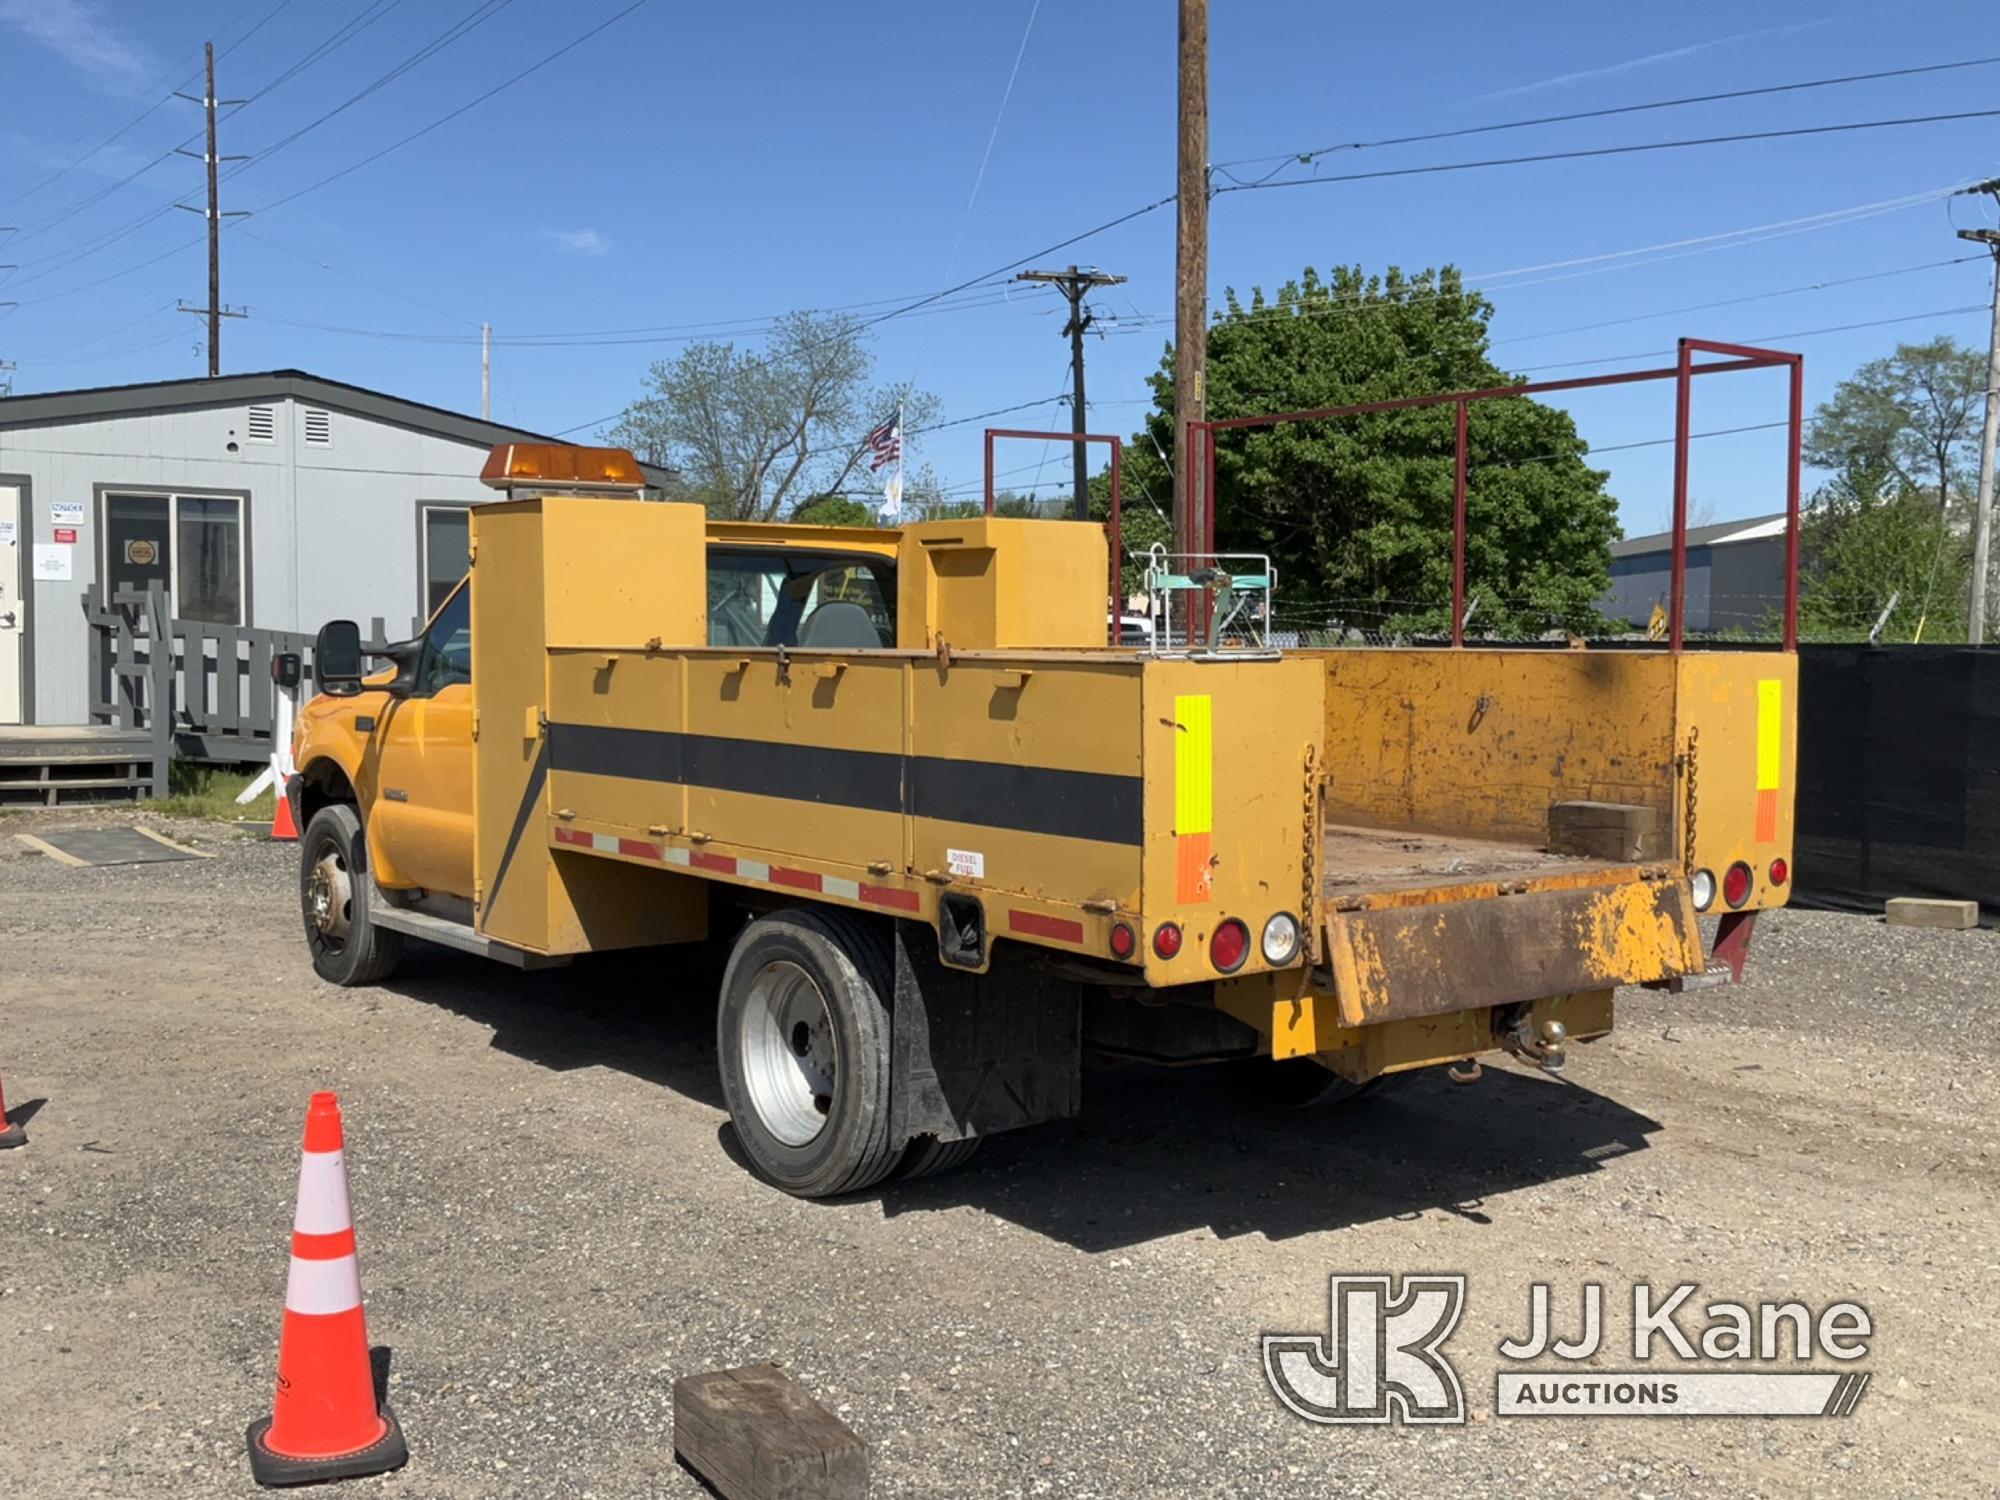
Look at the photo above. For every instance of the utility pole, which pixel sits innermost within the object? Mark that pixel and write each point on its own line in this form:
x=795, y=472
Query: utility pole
x=1075, y=284
x=215, y=311
x=6, y=385
x=1982, y=529
x=1191, y=277
x=485, y=372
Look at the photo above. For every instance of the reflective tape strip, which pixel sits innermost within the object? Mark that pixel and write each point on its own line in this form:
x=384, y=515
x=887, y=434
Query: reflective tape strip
x=322, y=1194
x=846, y=890
x=1192, y=855
x=890, y=896
x=318, y=1287
x=1194, y=764
x=1770, y=730
x=753, y=869
x=572, y=836
x=1034, y=924
x=722, y=864
x=323, y=1246
x=798, y=880
x=675, y=856
x=638, y=848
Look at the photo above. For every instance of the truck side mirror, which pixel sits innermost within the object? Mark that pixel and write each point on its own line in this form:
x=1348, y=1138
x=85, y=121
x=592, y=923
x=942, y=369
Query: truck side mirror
x=337, y=658
x=285, y=669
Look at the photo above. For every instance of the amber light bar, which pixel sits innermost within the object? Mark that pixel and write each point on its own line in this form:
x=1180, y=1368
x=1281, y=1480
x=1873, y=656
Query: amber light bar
x=561, y=466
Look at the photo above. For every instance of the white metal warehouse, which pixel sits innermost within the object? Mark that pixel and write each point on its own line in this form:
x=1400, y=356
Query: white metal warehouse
x=275, y=500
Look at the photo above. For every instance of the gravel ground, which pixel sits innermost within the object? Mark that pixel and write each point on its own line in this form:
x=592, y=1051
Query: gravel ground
x=554, y=1224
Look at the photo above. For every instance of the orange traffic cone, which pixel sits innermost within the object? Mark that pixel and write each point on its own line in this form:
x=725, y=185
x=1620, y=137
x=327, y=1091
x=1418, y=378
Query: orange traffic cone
x=11, y=1135
x=325, y=1423
x=283, y=829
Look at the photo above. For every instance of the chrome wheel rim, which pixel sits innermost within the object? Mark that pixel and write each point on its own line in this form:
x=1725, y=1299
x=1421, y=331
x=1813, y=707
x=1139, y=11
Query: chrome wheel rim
x=790, y=1053
x=330, y=898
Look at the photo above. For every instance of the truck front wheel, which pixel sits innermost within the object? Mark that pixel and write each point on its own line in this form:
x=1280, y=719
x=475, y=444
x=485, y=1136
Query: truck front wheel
x=347, y=948
x=803, y=1041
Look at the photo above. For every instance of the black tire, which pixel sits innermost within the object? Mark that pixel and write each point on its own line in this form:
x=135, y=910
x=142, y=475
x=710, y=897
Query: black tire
x=347, y=947
x=1299, y=1083
x=926, y=1156
x=802, y=1042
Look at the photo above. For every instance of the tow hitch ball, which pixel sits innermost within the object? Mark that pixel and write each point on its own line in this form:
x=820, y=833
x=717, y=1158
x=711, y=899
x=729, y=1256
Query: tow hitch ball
x=1544, y=1045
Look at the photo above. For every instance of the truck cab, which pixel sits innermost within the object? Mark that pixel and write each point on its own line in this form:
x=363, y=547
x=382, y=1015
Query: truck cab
x=400, y=747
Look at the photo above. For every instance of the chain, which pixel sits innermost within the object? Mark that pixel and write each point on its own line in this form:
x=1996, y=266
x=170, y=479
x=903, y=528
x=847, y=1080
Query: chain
x=1694, y=740
x=1309, y=821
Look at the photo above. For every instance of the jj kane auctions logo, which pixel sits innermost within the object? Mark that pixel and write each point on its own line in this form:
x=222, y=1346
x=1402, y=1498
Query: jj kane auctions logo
x=1382, y=1358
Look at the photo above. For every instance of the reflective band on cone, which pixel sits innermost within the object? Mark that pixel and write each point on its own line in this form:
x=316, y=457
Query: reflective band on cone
x=325, y=1422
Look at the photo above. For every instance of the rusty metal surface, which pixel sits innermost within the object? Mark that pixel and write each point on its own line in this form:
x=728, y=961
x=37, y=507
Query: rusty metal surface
x=1420, y=960
x=1363, y=861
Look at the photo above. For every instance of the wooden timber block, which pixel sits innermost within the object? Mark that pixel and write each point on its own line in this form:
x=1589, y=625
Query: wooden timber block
x=1601, y=830
x=1927, y=911
x=754, y=1434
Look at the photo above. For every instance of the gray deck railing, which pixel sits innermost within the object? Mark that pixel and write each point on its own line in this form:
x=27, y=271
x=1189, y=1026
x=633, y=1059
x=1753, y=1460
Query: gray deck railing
x=213, y=680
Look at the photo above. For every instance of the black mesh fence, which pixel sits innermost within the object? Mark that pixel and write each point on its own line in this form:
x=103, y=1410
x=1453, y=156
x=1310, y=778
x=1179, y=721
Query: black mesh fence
x=1899, y=775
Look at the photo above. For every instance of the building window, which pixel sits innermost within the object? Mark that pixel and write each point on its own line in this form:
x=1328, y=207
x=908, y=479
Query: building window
x=190, y=545
x=319, y=428
x=446, y=532
x=262, y=424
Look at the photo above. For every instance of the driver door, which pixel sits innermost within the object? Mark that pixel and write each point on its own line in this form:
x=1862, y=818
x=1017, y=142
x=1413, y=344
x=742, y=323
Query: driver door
x=422, y=828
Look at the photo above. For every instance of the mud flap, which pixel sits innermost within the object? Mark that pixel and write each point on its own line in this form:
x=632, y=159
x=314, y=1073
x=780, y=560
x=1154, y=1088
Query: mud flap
x=1424, y=960
x=976, y=1054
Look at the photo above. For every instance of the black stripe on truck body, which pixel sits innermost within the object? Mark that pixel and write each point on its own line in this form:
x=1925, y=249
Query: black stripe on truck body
x=1029, y=799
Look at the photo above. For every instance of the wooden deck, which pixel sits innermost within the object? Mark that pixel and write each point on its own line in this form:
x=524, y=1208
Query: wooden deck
x=56, y=765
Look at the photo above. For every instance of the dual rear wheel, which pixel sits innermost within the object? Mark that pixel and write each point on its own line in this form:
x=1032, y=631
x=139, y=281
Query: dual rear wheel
x=802, y=1036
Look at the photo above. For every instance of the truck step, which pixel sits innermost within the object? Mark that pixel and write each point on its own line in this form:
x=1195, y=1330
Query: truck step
x=460, y=935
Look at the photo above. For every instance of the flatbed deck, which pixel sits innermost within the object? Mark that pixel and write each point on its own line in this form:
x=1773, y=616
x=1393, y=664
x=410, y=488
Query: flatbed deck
x=1362, y=861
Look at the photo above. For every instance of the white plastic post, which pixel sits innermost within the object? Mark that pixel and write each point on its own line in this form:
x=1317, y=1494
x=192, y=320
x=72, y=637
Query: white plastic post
x=280, y=769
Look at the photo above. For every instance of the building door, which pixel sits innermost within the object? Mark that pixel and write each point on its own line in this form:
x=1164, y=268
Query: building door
x=13, y=605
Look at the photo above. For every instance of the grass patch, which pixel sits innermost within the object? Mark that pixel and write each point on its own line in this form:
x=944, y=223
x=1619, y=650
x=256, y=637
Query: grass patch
x=199, y=791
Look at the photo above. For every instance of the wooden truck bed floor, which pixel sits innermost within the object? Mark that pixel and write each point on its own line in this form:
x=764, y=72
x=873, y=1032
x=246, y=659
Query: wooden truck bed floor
x=1367, y=860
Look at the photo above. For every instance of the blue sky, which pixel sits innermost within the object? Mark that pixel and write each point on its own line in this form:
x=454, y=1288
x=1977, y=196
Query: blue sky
x=701, y=165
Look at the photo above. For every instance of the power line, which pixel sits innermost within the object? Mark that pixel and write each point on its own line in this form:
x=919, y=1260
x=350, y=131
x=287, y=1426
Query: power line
x=445, y=119
x=1763, y=338
x=1308, y=158
x=601, y=338
x=1596, y=151
x=1811, y=286
x=1578, y=266
x=165, y=82
x=485, y=11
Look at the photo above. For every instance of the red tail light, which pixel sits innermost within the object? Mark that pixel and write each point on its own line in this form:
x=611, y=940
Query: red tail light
x=1736, y=884
x=1123, y=940
x=1167, y=939
x=1780, y=872
x=1230, y=946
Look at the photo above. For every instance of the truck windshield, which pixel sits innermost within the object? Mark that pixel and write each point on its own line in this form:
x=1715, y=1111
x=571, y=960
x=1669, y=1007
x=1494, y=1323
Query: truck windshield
x=830, y=600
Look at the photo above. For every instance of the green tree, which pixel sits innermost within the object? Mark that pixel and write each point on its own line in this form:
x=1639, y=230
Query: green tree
x=1357, y=512
x=752, y=432
x=1870, y=538
x=835, y=510
x=1916, y=413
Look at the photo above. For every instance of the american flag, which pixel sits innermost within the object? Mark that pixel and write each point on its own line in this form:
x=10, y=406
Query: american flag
x=885, y=443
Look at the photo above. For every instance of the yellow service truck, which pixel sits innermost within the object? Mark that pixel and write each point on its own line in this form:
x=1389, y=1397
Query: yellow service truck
x=954, y=842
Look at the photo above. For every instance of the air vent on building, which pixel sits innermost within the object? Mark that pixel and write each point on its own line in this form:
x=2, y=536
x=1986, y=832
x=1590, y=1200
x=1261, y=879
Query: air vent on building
x=262, y=426
x=319, y=428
